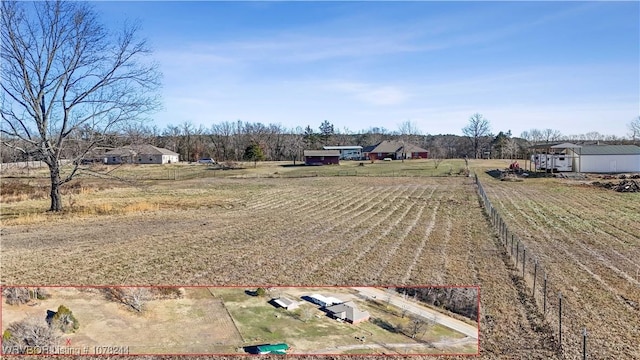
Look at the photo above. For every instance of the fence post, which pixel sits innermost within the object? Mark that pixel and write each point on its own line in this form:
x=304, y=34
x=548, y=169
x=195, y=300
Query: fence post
x=584, y=344
x=560, y=320
x=506, y=236
x=544, y=301
x=512, y=236
x=524, y=260
x=517, y=255
x=535, y=273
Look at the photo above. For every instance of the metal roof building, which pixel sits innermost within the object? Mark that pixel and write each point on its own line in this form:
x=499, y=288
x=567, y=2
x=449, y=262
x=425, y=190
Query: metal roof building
x=595, y=158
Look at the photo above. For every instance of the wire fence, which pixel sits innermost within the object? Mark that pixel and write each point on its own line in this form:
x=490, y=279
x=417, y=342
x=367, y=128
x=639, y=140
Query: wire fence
x=570, y=339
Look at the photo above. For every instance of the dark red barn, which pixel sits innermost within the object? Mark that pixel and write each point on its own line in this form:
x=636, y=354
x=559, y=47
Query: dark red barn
x=321, y=157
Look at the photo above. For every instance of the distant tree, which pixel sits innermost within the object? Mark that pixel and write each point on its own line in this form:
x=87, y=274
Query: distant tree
x=535, y=136
x=500, y=142
x=407, y=130
x=634, y=129
x=389, y=293
x=294, y=144
x=416, y=325
x=22, y=295
x=478, y=128
x=511, y=148
x=306, y=313
x=310, y=138
x=254, y=153
x=549, y=135
x=437, y=150
x=326, y=131
x=61, y=71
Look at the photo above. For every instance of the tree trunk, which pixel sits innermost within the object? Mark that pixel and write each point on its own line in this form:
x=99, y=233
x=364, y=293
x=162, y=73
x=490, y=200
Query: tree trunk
x=56, y=198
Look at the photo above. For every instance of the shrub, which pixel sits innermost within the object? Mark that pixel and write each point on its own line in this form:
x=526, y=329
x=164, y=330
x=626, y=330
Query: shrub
x=29, y=334
x=64, y=320
x=261, y=292
x=133, y=297
x=167, y=292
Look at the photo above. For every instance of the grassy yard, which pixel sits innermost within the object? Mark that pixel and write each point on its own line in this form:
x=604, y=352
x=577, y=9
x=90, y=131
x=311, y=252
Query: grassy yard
x=260, y=322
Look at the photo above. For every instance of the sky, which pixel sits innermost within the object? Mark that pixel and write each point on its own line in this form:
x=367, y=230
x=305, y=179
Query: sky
x=569, y=66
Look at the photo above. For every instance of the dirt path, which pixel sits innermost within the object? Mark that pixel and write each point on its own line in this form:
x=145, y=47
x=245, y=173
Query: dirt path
x=420, y=310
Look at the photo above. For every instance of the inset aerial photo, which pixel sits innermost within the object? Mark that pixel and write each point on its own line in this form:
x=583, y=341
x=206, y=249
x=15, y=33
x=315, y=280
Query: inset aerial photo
x=237, y=320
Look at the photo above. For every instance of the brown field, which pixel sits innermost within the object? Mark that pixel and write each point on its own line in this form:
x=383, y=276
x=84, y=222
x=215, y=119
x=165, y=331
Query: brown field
x=316, y=226
x=587, y=240
x=306, y=231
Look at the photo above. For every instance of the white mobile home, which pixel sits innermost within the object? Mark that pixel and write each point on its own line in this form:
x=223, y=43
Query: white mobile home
x=324, y=301
x=347, y=152
x=552, y=162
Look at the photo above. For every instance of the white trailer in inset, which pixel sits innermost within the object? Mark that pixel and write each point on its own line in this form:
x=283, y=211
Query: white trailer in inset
x=552, y=162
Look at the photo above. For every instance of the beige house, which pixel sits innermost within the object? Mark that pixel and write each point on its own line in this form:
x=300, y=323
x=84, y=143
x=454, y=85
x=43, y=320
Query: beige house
x=140, y=154
x=286, y=303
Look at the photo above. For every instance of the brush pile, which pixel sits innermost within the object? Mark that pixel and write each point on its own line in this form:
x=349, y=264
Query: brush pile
x=622, y=186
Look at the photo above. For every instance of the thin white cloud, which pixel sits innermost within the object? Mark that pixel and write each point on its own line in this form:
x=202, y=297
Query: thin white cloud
x=378, y=95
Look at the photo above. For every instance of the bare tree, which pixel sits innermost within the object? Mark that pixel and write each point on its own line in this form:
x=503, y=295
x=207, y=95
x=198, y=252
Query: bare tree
x=389, y=294
x=22, y=295
x=61, y=70
x=511, y=148
x=438, y=151
x=416, y=325
x=294, y=144
x=477, y=129
x=533, y=136
x=634, y=129
x=306, y=313
x=551, y=135
x=133, y=297
x=595, y=136
x=406, y=130
x=28, y=334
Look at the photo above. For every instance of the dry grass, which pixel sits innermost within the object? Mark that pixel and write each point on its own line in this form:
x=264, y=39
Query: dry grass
x=588, y=241
x=307, y=231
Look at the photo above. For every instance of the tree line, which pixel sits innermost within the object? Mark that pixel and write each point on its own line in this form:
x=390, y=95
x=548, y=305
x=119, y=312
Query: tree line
x=255, y=141
x=460, y=300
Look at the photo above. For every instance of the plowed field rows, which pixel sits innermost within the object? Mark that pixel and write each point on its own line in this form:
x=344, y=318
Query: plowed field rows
x=588, y=241
x=315, y=231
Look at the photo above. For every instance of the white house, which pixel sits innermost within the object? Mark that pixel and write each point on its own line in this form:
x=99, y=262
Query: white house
x=324, y=301
x=140, y=154
x=347, y=152
x=605, y=158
